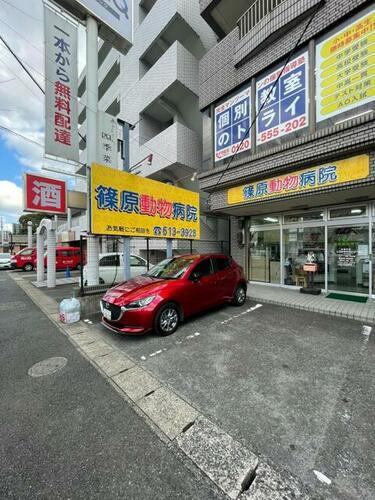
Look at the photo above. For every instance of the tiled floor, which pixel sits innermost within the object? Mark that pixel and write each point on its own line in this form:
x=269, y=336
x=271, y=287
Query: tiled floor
x=318, y=303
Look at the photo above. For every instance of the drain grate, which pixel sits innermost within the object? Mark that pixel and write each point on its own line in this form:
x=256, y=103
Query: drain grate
x=47, y=367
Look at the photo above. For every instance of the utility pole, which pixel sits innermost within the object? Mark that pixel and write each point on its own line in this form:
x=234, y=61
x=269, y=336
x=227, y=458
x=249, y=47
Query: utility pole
x=126, y=167
x=92, y=137
x=2, y=232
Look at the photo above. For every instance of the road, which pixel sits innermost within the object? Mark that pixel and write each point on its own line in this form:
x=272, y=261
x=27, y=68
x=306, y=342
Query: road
x=69, y=434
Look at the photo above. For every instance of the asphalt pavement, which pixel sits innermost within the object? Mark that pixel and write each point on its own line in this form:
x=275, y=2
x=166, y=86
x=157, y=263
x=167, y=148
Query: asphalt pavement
x=69, y=434
x=296, y=387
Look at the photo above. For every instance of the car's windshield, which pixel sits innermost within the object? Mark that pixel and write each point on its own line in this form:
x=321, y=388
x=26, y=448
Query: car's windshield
x=4, y=255
x=171, y=268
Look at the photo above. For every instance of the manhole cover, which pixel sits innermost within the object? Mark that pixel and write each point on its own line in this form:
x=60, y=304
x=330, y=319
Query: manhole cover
x=47, y=366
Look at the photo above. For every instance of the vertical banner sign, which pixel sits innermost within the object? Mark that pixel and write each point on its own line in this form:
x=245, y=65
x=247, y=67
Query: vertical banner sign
x=232, y=122
x=107, y=139
x=61, y=73
x=345, y=68
x=285, y=107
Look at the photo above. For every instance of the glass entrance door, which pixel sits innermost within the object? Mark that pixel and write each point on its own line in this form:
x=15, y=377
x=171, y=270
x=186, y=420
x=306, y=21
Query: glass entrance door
x=348, y=259
x=264, y=262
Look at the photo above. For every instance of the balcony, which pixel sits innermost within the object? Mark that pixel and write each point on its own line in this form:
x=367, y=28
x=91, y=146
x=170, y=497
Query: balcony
x=222, y=15
x=267, y=21
x=176, y=149
x=259, y=10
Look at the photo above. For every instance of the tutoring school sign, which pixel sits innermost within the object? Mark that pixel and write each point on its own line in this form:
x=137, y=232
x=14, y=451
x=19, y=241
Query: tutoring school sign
x=124, y=204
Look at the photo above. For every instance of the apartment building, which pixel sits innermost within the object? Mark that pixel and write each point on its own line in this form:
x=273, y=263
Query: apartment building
x=288, y=95
x=154, y=88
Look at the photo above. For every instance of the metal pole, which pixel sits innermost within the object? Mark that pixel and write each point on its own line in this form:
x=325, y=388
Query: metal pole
x=91, y=138
x=169, y=248
x=29, y=234
x=191, y=246
x=148, y=253
x=81, y=266
x=126, y=167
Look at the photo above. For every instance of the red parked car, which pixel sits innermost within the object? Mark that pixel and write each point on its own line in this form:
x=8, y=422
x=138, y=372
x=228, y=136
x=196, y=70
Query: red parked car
x=65, y=257
x=171, y=291
x=24, y=259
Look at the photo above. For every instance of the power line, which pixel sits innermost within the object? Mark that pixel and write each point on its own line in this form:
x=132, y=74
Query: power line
x=10, y=131
x=29, y=74
x=291, y=53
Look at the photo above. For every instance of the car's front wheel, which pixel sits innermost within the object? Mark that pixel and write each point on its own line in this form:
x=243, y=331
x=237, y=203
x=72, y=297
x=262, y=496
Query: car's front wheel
x=167, y=319
x=239, y=296
x=28, y=267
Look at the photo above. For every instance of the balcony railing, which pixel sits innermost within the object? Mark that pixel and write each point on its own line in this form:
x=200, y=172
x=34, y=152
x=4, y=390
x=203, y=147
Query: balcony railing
x=256, y=13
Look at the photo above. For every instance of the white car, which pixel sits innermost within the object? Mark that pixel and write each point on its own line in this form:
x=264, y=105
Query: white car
x=5, y=261
x=111, y=268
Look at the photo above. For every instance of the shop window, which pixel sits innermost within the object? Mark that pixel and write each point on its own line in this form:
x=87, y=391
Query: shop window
x=303, y=217
x=356, y=211
x=298, y=242
x=265, y=219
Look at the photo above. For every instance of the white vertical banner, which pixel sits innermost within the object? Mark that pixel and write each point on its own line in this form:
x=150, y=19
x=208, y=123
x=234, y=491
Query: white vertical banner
x=107, y=140
x=61, y=73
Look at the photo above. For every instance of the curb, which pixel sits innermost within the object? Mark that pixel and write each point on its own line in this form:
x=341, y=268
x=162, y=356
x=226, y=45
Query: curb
x=232, y=468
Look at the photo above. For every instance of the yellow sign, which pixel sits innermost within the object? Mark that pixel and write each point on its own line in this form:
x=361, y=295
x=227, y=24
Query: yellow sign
x=308, y=179
x=124, y=204
x=345, y=65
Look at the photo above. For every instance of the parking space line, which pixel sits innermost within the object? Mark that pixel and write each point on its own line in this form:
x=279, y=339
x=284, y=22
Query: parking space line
x=251, y=309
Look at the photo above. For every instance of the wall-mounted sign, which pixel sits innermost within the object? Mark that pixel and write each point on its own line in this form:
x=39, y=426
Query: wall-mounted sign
x=107, y=139
x=285, y=107
x=345, y=68
x=61, y=113
x=232, y=123
x=128, y=205
x=115, y=18
x=323, y=176
x=43, y=194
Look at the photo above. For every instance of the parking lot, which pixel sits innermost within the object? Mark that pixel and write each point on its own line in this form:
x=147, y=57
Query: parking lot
x=294, y=386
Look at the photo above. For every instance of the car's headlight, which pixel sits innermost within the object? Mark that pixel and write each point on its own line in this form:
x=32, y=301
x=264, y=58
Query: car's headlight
x=140, y=303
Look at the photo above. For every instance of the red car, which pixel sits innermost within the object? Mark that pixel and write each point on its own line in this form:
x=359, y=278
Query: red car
x=24, y=259
x=173, y=290
x=65, y=257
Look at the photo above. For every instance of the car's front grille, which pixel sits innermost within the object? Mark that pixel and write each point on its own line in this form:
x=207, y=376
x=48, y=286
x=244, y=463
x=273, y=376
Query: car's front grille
x=115, y=310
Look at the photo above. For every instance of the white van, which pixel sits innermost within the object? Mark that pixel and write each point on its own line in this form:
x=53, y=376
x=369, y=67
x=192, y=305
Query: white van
x=111, y=268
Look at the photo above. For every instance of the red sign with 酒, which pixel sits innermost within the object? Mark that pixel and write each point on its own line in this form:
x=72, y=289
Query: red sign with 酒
x=43, y=194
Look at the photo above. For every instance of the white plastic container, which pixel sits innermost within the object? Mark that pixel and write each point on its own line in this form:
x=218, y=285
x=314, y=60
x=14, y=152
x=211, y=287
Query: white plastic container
x=70, y=310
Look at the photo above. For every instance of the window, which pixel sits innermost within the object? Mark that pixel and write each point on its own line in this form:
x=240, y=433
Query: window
x=136, y=261
x=66, y=253
x=303, y=217
x=27, y=251
x=109, y=260
x=356, y=211
x=204, y=268
x=265, y=219
x=221, y=263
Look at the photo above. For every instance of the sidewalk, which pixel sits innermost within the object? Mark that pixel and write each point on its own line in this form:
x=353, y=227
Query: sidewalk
x=69, y=434
x=315, y=303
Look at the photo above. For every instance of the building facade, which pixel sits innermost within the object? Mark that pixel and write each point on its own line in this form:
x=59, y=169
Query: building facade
x=289, y=99
x=154, y=88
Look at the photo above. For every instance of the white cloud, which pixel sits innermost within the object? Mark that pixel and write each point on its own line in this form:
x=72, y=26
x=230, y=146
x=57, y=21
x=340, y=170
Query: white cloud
x=21, y=102
x=10, y=201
